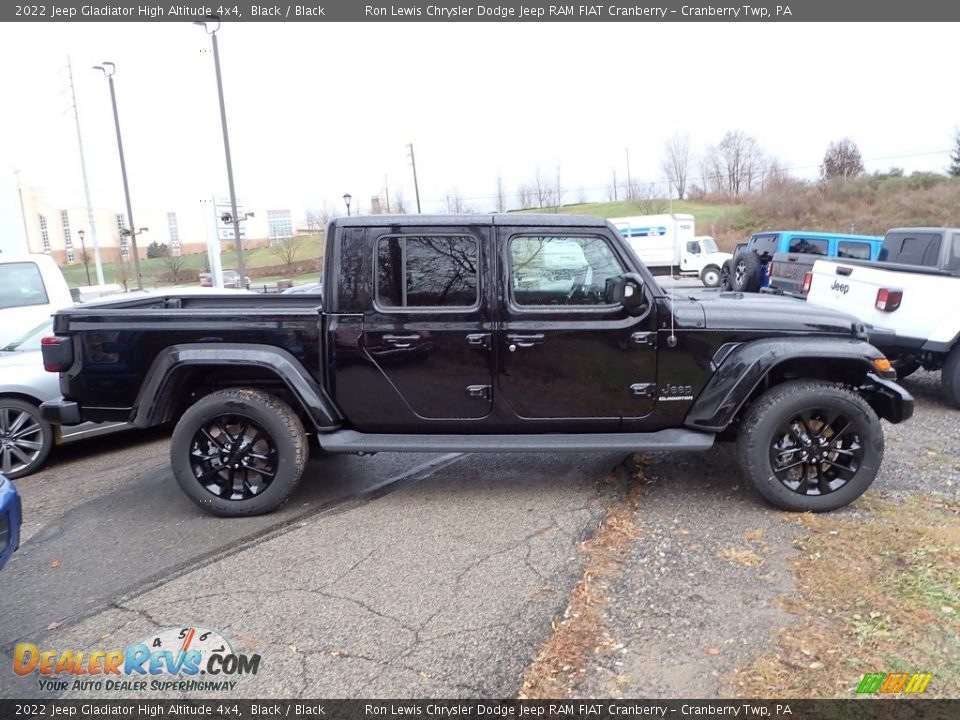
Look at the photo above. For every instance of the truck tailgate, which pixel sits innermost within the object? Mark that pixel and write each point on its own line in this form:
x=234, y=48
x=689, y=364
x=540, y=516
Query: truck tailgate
x=853, y=288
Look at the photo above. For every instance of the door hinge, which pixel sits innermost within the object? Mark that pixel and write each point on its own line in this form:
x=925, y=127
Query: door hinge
x=644, y=339
x=479, y=391
x=642, y=390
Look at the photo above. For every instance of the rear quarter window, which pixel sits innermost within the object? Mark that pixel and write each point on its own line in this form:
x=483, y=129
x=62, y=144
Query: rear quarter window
x=764, y=244
x=21, y=284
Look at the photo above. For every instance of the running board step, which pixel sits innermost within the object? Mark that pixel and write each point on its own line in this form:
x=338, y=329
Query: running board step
x=671, y=439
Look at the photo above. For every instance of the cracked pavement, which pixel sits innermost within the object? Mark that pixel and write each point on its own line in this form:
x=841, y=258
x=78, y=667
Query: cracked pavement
x=385, y=576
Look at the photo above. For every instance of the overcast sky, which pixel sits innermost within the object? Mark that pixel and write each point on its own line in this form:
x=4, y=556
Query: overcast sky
x=316, y=110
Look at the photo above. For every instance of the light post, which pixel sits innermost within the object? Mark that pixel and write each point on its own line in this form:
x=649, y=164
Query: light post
x=83, y=249
x=226, y=141
x=347, y=197
x=108, y=69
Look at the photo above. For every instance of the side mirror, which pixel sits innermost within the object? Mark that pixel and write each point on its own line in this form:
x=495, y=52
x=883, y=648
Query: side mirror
x=631, y=291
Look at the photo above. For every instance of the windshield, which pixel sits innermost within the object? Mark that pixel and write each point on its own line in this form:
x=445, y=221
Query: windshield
x=709, y=245
x=31, y=340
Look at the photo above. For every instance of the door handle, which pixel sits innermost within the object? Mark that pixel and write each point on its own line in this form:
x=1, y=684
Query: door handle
x=402, y=341
x=525, y=341
x=479, y=340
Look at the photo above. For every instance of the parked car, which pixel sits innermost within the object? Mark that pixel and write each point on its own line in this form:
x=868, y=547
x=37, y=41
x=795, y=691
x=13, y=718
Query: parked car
x=32, y=288
x=10, y=518
x=25, y=438
x=483, y=333
x=784, y=252
x=231, y=279
x=307, y=289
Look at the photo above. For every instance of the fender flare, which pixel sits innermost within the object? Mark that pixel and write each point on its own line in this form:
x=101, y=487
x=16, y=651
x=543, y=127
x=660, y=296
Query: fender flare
x=744, y=367
x=155, y=401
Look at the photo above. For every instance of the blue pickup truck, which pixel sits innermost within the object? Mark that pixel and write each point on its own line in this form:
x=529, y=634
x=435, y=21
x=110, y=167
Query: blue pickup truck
x=777, y=261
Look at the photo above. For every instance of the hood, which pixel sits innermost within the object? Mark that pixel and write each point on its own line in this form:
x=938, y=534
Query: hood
x=750, y=311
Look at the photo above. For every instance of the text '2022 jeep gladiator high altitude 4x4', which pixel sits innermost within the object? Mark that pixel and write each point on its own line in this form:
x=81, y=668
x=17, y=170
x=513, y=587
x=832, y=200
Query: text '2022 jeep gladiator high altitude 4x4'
x=479, y=334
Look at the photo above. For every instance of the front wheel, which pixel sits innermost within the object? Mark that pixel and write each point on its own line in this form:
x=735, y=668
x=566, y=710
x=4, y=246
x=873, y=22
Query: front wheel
x=710, y=277
x=238, y=452
x=810, y=446
x=25, y=438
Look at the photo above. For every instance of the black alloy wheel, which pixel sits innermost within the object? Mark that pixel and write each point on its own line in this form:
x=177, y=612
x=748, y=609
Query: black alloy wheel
x=233, y=457
x=816, y=452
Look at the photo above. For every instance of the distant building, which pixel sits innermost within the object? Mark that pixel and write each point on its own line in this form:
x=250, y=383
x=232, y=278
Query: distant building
x=55, y=231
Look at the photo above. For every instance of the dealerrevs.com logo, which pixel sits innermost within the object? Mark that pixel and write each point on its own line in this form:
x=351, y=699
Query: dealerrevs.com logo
x=174, y=659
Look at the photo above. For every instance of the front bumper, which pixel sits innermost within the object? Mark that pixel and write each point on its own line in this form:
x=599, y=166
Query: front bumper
x=888, y=400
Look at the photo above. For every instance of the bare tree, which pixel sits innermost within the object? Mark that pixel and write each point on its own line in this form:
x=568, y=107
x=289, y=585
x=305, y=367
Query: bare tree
x=557, y=190
x=581, y=196
x=775, y=174
x=455, y=203
x=399, y=205
x=648, y=202
x=842, y=160
x=541, y=189
x=735, y=165
x=286, y=249
x=175, y=264
x=123, y=271
x=676, y=162
x=501, y=197
x=524, y=195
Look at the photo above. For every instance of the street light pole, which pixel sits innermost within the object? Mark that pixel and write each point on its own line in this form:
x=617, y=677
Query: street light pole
x=416, y=187
x=238, y=243
x=86, y=260
x=103, y=67
x=347, y=197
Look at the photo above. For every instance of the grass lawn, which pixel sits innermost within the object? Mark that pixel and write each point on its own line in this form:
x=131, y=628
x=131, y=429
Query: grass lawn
x=154, y=268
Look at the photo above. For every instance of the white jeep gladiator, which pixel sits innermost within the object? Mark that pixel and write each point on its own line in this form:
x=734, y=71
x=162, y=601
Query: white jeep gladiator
x=909, y=298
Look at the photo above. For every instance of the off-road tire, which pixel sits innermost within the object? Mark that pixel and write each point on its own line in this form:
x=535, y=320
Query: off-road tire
x=768, y=416
x=726, y=275
x=906, y=369
x=950, y=376
x=30, y=429
x=276, y=426
x=747, y=272
x=710, y=276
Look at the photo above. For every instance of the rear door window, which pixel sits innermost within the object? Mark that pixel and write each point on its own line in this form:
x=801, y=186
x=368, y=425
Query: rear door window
x=808, y=246
x=853, y=250
x=428, y=271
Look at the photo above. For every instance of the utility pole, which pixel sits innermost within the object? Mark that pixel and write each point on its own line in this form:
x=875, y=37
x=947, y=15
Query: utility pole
x=386, y=193
x=86, y=186
x=23, y=212
x=238, y=243
x=123, y=170
x=629, y=181
x=416, y=187
x=614, y=185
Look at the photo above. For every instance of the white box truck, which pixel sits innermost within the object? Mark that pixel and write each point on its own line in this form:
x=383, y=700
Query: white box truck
x=668, y=246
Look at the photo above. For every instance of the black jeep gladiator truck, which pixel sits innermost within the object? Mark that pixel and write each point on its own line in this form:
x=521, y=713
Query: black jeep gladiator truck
x=482, y=333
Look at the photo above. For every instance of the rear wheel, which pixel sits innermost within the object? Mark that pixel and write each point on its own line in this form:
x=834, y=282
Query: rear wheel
x=810, y=446
x=238, y=452
x=25, y=438
x=710, y=276
x=950, y=376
